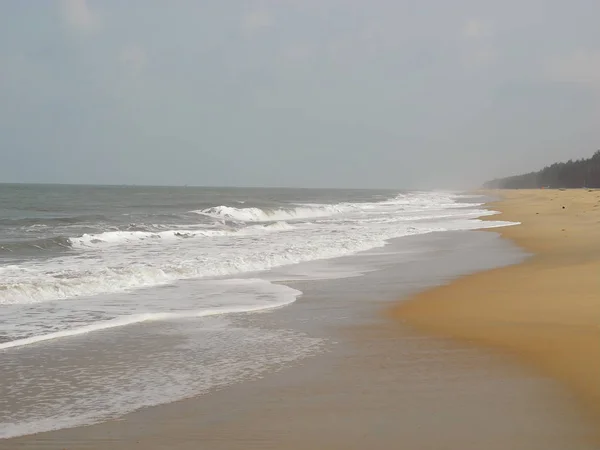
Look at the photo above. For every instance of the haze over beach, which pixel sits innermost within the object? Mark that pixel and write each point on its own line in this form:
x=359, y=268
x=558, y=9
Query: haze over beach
x=257, y=224
x=339, y=93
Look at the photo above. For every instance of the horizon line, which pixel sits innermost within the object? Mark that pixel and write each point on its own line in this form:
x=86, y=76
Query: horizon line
x=42, y=183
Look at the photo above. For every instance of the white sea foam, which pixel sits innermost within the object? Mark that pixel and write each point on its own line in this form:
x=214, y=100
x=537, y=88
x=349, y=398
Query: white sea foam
x=109, y=238
x=124, y=238
x=259, y=295
x=274, y=215
x=109, y=386
x=117, y=261
x=206, y=352
x=103, y=325
x=74, y=281
x=97, y=285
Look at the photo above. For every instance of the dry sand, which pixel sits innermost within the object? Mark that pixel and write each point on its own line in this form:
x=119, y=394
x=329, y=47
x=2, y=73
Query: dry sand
x=546, y=310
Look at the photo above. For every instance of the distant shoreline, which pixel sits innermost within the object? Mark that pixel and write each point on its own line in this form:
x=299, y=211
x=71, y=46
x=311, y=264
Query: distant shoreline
x=201, y=186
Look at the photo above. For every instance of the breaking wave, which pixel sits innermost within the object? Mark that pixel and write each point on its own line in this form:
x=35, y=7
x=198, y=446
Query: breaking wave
x=254, y=240
x=273, y=215
x=32, y=287
x=118, y=238
x=56, y=242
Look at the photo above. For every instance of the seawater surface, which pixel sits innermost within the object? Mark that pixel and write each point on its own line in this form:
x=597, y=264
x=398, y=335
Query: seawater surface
x=116, y=298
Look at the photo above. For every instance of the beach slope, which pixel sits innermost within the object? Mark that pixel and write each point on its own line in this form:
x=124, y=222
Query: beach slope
x=546, y=311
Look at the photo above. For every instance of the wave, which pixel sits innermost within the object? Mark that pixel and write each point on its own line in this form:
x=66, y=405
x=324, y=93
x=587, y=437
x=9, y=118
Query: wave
x=274, y=215
x=115, y=238
x=107, y=238
x=51, y=243
x=119, y=261
x=22, y=285
x=110, y=238
x=77, y=282
x=289, y=297
x=275, y=226
x=134, y=235
x=51, y=221
x=414, y=201
x=103, y=325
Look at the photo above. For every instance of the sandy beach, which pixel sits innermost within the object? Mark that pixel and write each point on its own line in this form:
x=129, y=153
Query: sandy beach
x=546, y=310
x=407, y=382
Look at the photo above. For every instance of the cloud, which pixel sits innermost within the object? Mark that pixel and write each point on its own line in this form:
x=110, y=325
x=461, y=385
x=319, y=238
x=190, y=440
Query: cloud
x=134, y=58
x=477, y=50
x=297, y=53
x=257, y=20
x=476, y=29
x=580, y=67
x=78, y=15
x=479, y=58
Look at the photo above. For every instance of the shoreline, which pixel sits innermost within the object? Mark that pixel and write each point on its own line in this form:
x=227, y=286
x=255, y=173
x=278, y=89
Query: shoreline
x=381, y=385
x=543, y=310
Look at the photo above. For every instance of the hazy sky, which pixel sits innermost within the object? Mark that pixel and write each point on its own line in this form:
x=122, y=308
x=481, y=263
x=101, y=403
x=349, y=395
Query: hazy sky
x=340, y=93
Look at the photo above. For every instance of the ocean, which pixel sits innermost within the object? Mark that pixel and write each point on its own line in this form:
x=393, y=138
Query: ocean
x=117, y=298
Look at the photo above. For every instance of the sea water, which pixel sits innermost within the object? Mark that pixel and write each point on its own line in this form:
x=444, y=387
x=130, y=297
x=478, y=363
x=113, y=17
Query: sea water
x=117, y=298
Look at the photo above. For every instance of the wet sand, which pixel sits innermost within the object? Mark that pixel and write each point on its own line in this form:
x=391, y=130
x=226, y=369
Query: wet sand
x=382, y=383
x=545, y=311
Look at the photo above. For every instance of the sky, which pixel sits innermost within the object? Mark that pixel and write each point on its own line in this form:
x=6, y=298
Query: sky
x=302, y=93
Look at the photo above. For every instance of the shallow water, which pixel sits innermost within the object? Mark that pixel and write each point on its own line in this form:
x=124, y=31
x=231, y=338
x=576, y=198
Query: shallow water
x=135, y=306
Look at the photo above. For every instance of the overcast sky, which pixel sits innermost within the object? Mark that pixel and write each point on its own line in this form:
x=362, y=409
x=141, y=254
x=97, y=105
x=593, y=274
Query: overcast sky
x=314, y=93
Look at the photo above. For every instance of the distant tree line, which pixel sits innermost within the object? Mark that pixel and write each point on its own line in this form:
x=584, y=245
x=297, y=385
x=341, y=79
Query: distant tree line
x=570, y=174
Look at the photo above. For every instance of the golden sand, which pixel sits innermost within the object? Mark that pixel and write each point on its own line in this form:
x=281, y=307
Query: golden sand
x=546, y=310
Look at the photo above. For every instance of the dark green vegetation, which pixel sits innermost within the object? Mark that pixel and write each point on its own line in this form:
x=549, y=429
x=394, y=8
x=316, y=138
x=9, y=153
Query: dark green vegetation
x=570, y=174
